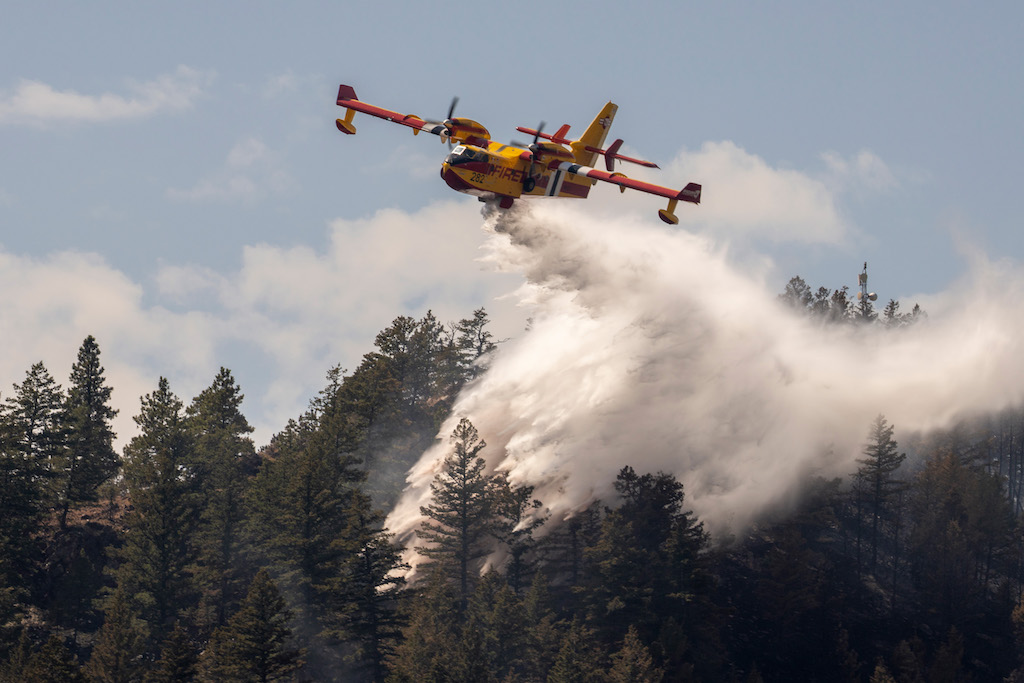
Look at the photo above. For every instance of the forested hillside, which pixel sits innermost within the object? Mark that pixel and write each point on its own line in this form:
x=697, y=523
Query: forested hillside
x=194, y=556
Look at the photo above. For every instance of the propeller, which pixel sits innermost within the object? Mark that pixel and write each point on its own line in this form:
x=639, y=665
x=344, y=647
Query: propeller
x=528, y=182
x=448, y=123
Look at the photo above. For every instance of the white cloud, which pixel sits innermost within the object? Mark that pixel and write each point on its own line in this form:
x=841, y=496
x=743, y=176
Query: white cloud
x=743, y=196
x=36, y=103
x=279, y=322
x=250, y=171
x=864, y=172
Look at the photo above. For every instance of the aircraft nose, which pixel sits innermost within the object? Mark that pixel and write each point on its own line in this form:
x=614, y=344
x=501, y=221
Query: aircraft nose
x=452, y=179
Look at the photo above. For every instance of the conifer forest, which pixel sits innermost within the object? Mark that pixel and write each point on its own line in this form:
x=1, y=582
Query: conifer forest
x=193, y=555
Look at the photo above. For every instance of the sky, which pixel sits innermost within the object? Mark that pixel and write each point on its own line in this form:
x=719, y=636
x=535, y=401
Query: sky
x=172, y=182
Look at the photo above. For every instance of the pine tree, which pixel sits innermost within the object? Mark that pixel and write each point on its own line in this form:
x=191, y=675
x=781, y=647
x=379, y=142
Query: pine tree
x=403, y=392
x=633, y=662
x=579, y=660
x=32, y=440
x=120, y=644
x=881, y=673
x=90, y=459
x=255, y=645
x=797, y=295
x=363, y=598
x=645, y=560
x=38, y=423
x=299, y=499
x=460, y=515
x=160, y=475
x=495, y=630
x=313, y=520
x=474, y=343
x=431, y=635
x=13, y=668
x=224, y=457
x=517, y=521
x=178, y=659
x=875, y=479
x=22, y=502
x=54, y=663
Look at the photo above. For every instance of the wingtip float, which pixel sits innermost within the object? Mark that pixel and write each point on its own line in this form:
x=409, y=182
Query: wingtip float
x=551, y=166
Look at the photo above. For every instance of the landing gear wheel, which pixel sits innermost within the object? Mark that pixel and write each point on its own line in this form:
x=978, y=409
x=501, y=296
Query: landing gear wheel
x=529, y=184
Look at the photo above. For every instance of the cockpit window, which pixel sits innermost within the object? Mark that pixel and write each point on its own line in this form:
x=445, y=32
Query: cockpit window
x=463, y=155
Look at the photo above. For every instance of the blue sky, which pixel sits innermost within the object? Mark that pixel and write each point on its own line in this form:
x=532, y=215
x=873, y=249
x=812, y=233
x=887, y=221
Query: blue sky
x=172, y=182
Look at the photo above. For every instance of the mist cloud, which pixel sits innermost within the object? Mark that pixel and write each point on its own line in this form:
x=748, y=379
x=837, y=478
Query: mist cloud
x=647, y=348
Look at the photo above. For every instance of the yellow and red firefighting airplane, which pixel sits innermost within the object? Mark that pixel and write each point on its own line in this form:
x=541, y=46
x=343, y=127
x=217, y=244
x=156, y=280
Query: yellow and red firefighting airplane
x=493, y=171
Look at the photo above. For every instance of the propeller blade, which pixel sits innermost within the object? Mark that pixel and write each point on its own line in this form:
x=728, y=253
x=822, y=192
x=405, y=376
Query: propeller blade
x=540, y=129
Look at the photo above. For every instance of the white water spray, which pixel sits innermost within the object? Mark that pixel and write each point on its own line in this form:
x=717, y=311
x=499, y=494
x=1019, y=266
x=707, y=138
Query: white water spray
x=647, y=348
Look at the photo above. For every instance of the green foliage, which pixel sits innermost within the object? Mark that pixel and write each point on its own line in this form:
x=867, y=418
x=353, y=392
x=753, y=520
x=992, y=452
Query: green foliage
x=299, y=504
x=363, y=599
x=837, y=306
x=633, y=662
x=224, y=458
x=53, y=663
x=516, y=521
x=579, y=658
x=89, y=459
x=160, y=476
x=646, y=562
x=120, y=645
x=461, y=512
x=875, y=484
x=637, y=592
x=178, y=659
x=431, y=635
x=255, y=645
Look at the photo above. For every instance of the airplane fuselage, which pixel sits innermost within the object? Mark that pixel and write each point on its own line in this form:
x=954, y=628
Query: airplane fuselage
x=503, y=171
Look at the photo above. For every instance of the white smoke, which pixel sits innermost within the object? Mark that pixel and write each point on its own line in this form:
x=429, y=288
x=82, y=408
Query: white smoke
x=648, y=348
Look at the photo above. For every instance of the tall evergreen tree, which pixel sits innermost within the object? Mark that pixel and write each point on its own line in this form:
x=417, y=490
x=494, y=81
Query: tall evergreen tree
x=363, y=599
x=515, y=523
x=797, y=295
x=32, y=440
x=460, y=515
x=474, y=342
x=120, y=644
x=633, y=662
x=255, y=645
x=318, y=527
x=178, y=659
x=430, y=636
x=648, y=570
x=38, y=420
x=497, y=617
x=579, y=659
x=160, y=476
x=875, y=482
x=225, y=458
x=90, y=459
x=54, y=663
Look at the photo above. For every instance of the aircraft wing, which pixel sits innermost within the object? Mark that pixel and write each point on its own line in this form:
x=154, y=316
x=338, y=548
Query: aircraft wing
x=458, y=129
x=347, y=98
x=690, y=193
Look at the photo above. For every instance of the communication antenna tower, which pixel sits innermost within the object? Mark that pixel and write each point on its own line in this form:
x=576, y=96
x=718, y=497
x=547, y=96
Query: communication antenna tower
x=863, y=296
